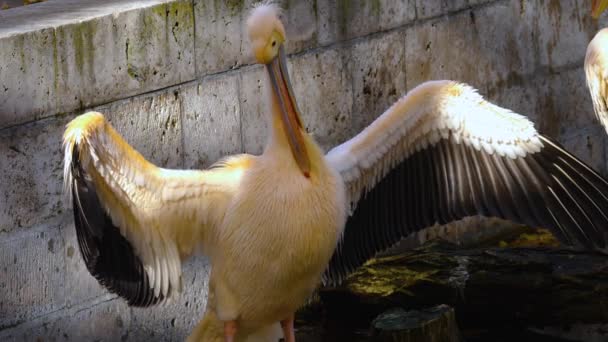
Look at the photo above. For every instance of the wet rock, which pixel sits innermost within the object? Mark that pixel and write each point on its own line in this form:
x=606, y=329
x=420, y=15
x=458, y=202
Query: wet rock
x=435, y=324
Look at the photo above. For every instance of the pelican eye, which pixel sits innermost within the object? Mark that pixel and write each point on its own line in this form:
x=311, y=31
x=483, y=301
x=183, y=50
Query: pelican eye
x=274, y=43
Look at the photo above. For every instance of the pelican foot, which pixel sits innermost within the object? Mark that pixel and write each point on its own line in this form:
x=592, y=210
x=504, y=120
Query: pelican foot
x=229, y=331
x=288, y=332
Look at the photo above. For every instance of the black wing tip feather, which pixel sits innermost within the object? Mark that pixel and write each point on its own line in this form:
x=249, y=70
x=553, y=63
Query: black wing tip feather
x=550, y=188
x=587, y=194
x=109, y=257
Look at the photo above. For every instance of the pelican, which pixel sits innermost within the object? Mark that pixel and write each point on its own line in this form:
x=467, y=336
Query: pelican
x=596, y=67
x=275, y=226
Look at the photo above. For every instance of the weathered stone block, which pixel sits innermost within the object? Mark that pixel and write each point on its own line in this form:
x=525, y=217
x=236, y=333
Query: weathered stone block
x=32, y=173
x=99, y=320
x=219, y=35
x=562, y=31
x=465, y=47
x=211, y=114
x=341, y=20
x=221, y=32
x=324, y=92
x=27, y=74
x=31, y=274
x=506, y=41
x=377, y=68
x=94, y=60
x=151, y=124
x=564, y=104
x=432, y=8
x=590, y=146
x=300, y=21
x=254, y=94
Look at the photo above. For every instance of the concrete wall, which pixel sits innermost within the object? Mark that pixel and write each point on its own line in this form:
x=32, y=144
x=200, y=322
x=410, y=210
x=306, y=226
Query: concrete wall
x=175, y=78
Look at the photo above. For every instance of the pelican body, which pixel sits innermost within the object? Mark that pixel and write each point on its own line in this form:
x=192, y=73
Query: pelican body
x=277, y=225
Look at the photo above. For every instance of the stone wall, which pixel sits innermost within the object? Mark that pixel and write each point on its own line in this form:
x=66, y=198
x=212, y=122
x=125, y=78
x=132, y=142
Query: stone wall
x=175, y=78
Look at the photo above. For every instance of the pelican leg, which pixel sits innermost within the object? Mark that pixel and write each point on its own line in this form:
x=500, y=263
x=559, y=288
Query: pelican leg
x=229, y=331
x=288, y=332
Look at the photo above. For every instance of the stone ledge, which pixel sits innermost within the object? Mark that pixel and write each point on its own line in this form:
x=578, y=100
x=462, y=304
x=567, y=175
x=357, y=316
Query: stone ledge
x=67, y=55
x=57, y=13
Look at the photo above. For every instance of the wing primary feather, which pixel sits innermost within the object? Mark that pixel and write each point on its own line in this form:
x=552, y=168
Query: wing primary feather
x=108, y=256
x=578, y=215
x=474, y=191
x=409, y=189
x=462, y=198
x=534, y=192
x=450, y=181
x=506, y=193
x=566, y=210
x=391, y=214
x=555, y=149
x=588, y=190
x=416, y=190
x=484, y=200
x=442, y=184
x=522, y=196
x=432, y=210
x=494, y=187
x=588, y=199
x=563, y=215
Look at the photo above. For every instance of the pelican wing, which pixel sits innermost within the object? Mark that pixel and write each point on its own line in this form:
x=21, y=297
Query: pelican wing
x=442, y=153
x=134, y=221
x=596, y=71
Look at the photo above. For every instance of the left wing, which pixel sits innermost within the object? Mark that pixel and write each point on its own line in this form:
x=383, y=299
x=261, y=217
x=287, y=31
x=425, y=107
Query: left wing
x=442, y=153
x=134, y=221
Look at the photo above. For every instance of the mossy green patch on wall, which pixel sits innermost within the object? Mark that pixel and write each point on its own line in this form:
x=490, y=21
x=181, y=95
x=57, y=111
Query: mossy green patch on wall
x=235, y=6
x=84, y=49
x=375, y=7
x=344, y=10
x=20, y=45
x=56, y=70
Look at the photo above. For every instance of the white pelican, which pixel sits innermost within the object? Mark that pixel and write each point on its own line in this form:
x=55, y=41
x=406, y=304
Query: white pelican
x=270, y=224
x=596, y=67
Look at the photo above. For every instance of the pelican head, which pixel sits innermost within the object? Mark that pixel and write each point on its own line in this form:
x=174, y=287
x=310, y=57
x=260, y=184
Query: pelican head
x=267, y=36
x=597, y=7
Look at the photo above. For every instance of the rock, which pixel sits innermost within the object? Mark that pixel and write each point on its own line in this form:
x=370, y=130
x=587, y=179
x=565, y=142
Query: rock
x=435, y=324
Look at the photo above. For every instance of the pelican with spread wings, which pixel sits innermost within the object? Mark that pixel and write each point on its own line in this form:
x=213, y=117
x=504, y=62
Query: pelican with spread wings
x=275, y=226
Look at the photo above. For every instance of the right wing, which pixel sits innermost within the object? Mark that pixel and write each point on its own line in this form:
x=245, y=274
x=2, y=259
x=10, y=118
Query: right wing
x=134, y=221
x=442, y=153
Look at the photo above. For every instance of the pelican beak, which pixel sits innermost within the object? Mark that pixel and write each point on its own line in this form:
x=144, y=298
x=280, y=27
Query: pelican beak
x=290, y=115
x=597, y=7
